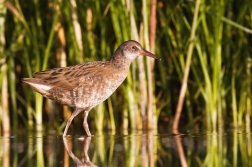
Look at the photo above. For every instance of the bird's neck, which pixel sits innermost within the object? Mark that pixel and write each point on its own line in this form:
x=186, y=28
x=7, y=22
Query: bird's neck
x=120, y=62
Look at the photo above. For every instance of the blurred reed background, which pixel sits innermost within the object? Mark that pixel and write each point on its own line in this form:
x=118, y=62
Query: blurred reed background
x=38, y=35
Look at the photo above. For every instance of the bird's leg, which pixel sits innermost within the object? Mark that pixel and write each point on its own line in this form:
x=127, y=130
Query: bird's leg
x=74, y=114
x=85, y=124
x=86, y=147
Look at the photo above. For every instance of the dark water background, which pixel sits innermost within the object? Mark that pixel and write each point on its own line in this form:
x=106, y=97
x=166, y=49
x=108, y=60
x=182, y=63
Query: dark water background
x=188, y=148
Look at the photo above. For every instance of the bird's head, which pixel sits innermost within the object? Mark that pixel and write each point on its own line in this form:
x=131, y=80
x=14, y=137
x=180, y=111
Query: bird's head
x=132, y=49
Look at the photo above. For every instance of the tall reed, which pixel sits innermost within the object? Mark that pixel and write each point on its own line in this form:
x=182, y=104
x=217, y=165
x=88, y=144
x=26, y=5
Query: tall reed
x=4, y=102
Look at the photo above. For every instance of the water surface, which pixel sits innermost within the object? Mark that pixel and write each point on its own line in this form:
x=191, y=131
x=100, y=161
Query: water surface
x=229, y=148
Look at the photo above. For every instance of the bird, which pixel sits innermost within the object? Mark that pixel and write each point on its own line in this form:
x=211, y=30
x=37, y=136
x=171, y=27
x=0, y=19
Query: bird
x=84, y=86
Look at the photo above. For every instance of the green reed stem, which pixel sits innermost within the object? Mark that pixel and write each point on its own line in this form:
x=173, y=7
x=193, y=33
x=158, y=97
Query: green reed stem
x=50, y=39
x=217, y=71
x=234, y=105
x=12, y=87
x=131, y=103
x=239, y=26
x=111, y=116
x=99, y=116
x=248, y=97
x=187, y=67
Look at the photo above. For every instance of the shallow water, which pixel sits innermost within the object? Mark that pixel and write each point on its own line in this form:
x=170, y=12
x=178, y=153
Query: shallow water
x=229, y=148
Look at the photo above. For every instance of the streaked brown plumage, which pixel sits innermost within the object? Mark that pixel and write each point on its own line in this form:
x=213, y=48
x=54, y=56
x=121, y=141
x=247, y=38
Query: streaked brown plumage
x=86, y=85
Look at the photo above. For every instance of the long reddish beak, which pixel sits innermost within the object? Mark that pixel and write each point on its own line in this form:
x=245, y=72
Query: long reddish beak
x=146, y=53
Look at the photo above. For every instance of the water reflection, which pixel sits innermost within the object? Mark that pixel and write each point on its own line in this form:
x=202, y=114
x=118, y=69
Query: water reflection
x=5, y=152
x=86, y=142
x=223, y=148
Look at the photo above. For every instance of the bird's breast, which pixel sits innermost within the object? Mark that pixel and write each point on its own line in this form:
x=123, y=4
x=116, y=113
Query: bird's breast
x=94, y=89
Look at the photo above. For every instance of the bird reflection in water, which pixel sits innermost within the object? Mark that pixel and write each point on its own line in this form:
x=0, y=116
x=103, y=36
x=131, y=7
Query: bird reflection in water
x=79, y=163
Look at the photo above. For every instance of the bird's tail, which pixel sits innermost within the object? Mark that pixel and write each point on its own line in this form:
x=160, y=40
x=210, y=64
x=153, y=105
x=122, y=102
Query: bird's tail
x=38, y=85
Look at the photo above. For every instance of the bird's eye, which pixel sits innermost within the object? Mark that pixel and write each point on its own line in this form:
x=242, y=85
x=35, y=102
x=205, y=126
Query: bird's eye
x=134, y=47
